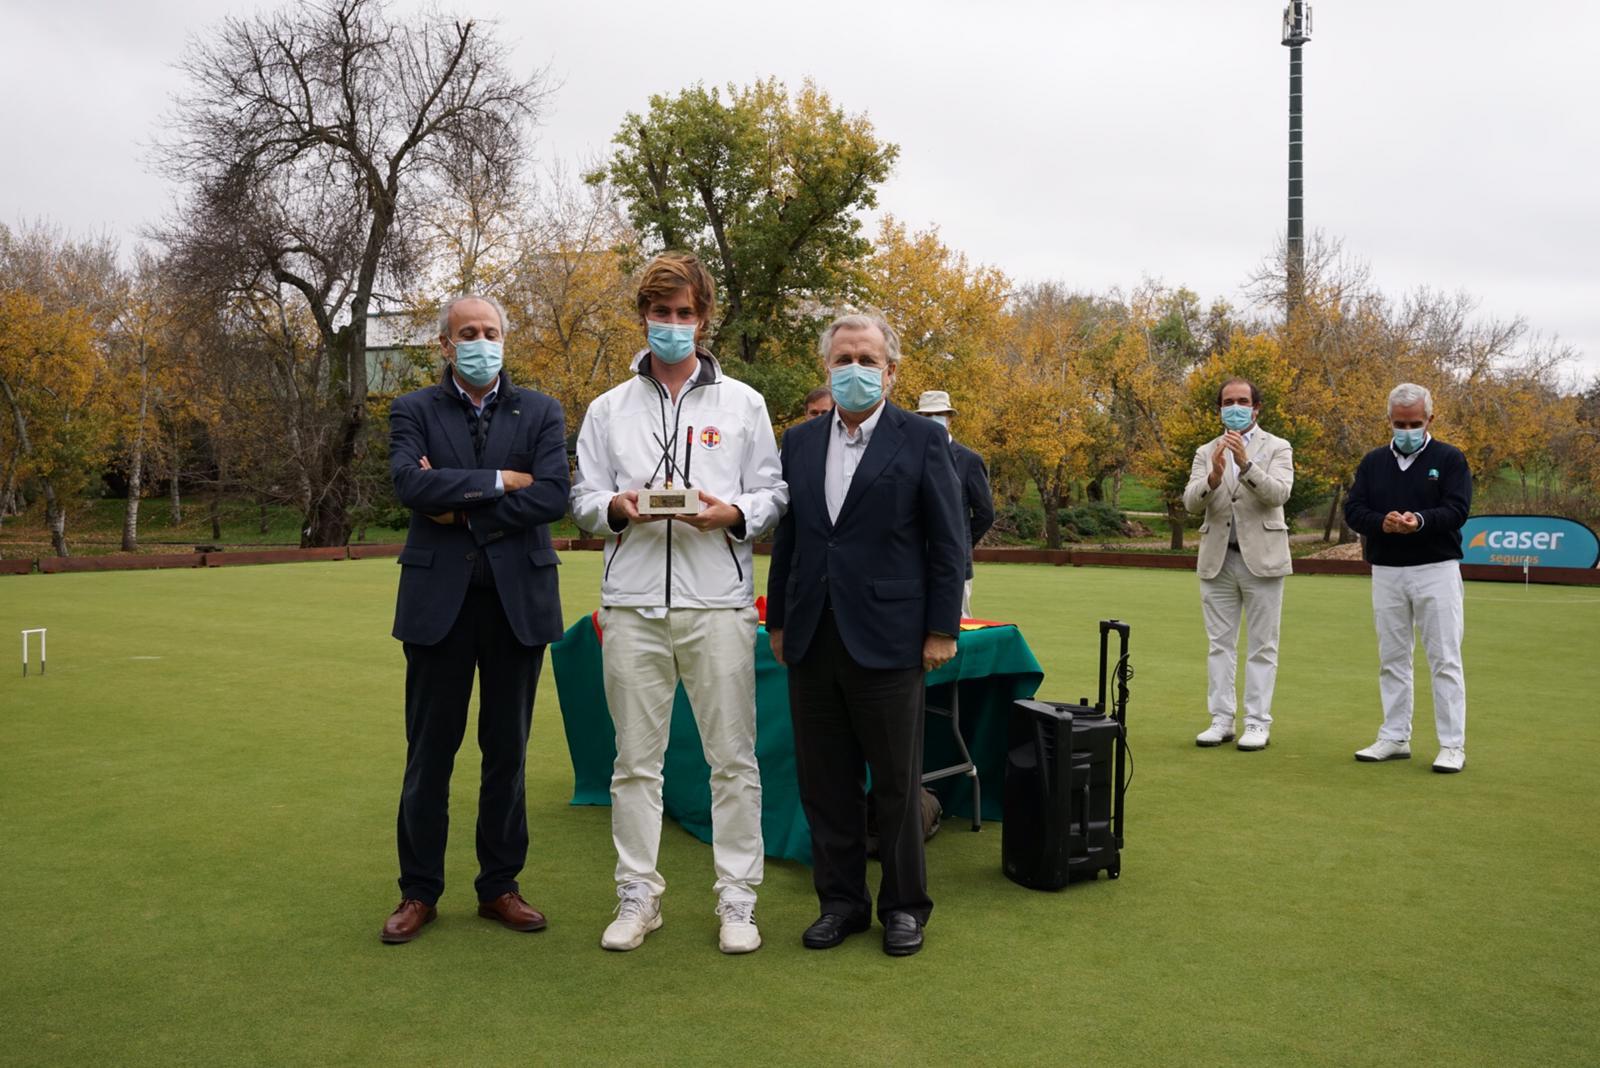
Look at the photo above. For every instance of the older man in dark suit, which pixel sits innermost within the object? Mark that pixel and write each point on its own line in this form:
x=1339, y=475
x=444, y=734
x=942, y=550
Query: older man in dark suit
x=482, y=465
x=864, y=598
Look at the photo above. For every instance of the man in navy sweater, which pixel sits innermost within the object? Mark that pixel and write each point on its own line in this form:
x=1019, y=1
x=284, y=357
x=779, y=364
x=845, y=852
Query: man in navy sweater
x=1409, y=500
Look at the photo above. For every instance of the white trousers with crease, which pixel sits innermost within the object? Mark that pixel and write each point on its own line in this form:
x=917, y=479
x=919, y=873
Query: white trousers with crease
x=1426, y=599
x=1235, y=592
x=712, y=650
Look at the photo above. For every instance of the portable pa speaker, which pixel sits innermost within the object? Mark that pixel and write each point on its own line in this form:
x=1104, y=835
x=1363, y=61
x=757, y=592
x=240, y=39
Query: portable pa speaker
x=1064, y=785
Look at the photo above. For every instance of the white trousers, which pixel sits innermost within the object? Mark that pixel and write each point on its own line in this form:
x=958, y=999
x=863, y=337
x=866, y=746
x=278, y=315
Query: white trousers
x=1427, y=597
x=966, y=600
x=712, y=650
x=1235, y=592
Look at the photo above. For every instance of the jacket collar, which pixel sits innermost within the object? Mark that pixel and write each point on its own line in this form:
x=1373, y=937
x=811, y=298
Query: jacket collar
x=447, y=385
x=710, y=369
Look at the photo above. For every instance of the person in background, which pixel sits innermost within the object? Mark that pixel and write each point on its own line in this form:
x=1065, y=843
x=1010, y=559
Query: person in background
x=977, y=502
x=1408, y=501
x=819, y=402
x=1240, y=480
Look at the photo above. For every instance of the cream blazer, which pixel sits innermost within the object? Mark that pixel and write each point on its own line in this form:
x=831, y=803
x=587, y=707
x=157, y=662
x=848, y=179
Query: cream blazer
x=1254, y=502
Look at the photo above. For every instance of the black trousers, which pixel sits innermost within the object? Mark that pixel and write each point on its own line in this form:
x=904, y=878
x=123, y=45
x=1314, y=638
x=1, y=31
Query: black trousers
x=847, y=718
x=438, y=688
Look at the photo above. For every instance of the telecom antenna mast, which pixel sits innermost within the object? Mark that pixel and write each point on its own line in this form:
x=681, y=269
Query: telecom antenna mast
x=1296, y=32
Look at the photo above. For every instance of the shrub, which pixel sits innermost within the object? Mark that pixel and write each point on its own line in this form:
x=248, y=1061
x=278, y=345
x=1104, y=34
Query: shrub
x=1025, y=522
x=1093, y=519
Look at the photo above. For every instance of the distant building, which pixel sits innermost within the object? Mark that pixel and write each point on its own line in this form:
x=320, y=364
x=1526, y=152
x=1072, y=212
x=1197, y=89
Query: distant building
x=402, y=351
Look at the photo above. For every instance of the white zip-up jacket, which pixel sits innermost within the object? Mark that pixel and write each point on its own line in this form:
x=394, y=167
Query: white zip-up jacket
x=734, y=457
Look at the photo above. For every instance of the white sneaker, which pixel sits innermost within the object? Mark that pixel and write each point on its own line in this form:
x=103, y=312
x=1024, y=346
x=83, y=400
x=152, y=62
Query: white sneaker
x=1451, y=759
x=638, y=913
x=739, y=932
x=1253, y=738
x=1215, y=734
x=1383, y=749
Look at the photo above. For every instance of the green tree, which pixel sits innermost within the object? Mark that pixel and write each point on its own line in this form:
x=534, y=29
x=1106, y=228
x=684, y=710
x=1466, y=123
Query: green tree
x=766, y=189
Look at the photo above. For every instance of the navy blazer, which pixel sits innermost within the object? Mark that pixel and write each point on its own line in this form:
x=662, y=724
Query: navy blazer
x=526, y=433
x=977, y=502
x=892, y=565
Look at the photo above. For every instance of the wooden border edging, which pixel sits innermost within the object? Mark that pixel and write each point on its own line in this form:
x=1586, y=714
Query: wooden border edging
x=367, y=552
x=16, y=567
x=51, y=565
x=276, y=556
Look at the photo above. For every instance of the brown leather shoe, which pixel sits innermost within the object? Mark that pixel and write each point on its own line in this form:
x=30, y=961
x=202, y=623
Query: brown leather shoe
x=509, y=909
x=407, y=920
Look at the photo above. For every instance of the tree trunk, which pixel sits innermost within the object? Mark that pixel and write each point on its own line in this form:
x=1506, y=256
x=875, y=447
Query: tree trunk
x=216, y=516
x=328, y=521
x=8, y=492
x=175, y=500
x=1175, y=517
x=264, y=526
x=1333, y=511
x=1052, y=521
x=56, y=518
x=1116, y=490
x=130, y=514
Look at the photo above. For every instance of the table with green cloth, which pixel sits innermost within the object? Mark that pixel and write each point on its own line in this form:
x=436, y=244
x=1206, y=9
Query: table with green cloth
x=993, y=666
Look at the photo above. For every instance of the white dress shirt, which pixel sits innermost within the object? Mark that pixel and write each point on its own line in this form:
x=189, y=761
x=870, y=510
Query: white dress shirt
x=845, y=450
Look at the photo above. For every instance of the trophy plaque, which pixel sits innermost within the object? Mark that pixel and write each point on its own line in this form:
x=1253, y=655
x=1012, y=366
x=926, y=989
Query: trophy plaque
x=667, y=499
x=670, y=501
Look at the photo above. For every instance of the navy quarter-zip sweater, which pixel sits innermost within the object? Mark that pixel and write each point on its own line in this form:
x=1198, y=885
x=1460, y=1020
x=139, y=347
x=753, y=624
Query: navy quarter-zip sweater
x=1437, y=486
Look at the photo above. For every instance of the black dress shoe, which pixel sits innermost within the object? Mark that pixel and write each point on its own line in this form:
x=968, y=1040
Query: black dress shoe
x=831, y=929
x=902, y=934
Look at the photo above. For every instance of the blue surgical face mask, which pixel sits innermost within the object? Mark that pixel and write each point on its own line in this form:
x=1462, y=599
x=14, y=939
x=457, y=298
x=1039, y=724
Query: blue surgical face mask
x=1237, y=416
x=478, y=361
x=940, y=418
x=1407, y=442
x=856, y=388
x=671, y=342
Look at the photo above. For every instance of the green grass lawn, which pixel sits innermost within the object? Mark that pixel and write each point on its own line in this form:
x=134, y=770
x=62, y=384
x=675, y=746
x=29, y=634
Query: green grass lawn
x=196, y=853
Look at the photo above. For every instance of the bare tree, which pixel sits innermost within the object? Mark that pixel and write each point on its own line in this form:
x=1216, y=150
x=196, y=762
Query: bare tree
x=310, y=140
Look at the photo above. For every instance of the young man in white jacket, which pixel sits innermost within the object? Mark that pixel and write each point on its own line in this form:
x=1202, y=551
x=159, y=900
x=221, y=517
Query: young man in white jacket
x=677, y=597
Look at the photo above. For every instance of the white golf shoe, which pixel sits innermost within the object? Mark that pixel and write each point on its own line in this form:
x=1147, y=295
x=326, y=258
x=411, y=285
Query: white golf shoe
x=1451, y=759
x=1383, y=749
x=1253, y=738
x=739, y=932
x=1220, y=731
x=638, y=913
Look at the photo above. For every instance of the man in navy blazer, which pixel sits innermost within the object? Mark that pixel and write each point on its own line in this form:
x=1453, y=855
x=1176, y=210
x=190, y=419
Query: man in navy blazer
x=482, y=465
x=864, y=598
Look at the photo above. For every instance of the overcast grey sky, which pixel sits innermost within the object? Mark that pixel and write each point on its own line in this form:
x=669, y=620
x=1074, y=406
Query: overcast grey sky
x=1453, y=145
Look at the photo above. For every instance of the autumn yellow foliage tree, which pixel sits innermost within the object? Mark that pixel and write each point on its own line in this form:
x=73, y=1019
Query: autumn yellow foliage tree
x=951, y=317
x=570, y=295
x=49, y=369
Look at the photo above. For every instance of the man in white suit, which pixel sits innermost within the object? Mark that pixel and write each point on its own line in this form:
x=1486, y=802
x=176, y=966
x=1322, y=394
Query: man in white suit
x=1241, y=480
